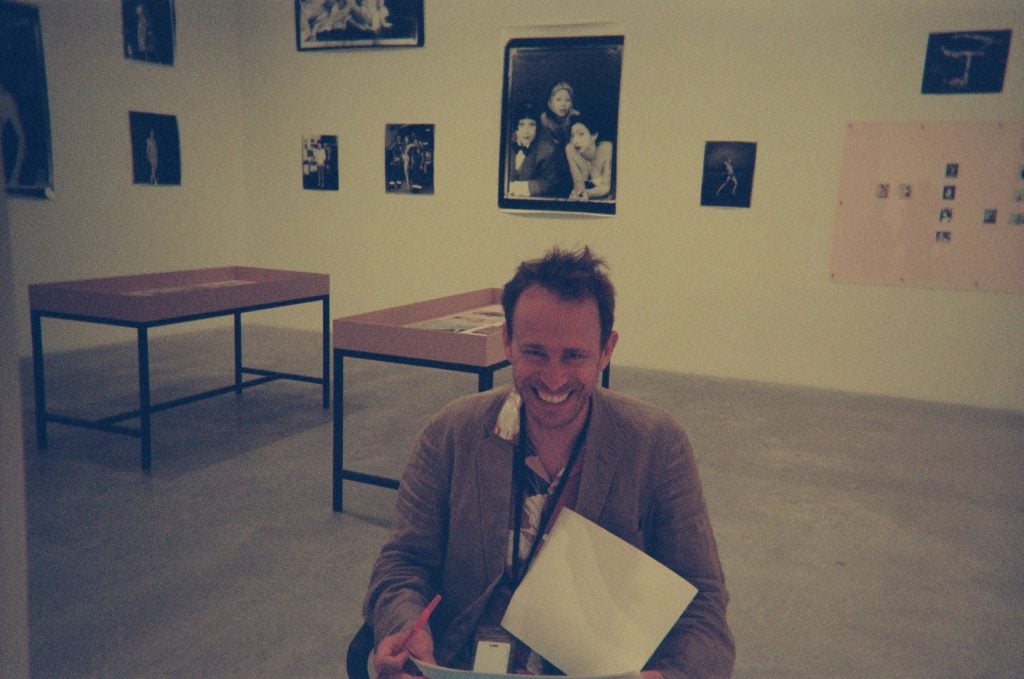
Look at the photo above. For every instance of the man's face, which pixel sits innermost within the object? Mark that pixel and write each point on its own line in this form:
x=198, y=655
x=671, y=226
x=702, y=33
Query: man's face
x=556, y=357
x=526, y=131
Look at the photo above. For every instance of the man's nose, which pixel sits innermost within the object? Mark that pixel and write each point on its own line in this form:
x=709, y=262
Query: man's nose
x=554, y=376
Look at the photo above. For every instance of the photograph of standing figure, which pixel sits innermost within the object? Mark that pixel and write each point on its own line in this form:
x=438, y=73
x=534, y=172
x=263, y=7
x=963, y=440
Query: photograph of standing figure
x=409, y=159
x=26, y=165
x=560, y=108
x=728, y=173
x=320, y=162
x=156, y=148
x=148, y=30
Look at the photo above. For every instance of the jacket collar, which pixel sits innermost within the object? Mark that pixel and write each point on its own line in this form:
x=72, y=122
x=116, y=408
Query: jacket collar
x=601, y=447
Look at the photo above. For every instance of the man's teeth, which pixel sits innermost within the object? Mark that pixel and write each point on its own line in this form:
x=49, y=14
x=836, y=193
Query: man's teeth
x=552, y=398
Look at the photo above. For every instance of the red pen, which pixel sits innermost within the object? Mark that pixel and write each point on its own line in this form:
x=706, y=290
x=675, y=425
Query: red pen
x=420, y=623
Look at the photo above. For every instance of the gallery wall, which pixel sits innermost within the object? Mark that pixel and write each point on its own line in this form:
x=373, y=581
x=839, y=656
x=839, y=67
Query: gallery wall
x=726, y=292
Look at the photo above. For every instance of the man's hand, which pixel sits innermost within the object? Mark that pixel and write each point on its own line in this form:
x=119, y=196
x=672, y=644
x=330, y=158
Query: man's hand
x=389, y=659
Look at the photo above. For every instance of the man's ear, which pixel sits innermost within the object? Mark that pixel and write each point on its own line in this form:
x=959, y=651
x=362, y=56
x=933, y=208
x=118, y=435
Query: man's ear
x=609, y=347
x=507, y=341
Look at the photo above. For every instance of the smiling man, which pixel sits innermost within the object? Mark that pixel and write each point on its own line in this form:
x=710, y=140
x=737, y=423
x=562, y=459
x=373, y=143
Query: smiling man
x=491, y=472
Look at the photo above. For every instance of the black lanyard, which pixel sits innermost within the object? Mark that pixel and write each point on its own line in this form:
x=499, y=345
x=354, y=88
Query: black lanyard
x=519, y=472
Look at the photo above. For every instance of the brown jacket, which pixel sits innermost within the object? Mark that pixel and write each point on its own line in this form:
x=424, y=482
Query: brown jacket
x=451, y=529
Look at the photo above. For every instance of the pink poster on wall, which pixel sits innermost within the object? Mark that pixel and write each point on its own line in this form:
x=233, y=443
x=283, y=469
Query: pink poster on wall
x=932, y=204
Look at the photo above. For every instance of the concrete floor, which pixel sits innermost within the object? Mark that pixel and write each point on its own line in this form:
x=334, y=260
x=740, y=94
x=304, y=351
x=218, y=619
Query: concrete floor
x=861, y=536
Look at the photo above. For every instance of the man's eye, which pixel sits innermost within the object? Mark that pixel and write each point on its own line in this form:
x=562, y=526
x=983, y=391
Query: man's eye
x=574, y=358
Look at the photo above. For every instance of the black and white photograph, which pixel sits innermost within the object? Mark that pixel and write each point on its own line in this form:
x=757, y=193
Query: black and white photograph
x=409, y=158
x=560, y=116
x=728, y=173
x=148, y=28
x=24, y=104
x=320, y=162
x=156, y=151
x=341, y=24
x=966, y=62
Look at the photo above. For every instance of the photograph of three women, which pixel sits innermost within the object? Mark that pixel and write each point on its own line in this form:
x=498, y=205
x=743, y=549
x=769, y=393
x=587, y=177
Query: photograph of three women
x=559, y=120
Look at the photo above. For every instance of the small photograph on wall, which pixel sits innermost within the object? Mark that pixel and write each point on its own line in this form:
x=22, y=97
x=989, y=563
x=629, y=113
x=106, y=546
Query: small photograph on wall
x=729, y=173
x=156, y=151
x=409, y=158
x=320, y=163
x=148, y=29
x=966, y=62
x=559, y=123
x=27, y=167
x=340, y=24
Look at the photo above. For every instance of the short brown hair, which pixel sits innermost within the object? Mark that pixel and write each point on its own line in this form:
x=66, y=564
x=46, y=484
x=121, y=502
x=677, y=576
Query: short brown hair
x=573, y=275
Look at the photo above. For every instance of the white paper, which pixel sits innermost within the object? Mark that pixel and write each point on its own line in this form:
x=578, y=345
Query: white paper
x=436, y=672
x=594, y=604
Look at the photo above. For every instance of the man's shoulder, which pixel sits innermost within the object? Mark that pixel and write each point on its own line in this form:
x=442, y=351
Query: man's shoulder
x=480, y=409
x=628, y=413
x=631, y=405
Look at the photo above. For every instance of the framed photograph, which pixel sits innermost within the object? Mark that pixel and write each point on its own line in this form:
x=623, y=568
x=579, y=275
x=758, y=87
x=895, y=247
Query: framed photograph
x=409, y=159
x=320, y=163
x=148, y=29
x=156, y=150
x=341, y=24
x=729, y=173
x=24, y=107
x=559, y=119
x=967, y=62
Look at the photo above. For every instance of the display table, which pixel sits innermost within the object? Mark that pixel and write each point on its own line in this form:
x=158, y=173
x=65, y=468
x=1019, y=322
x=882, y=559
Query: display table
x=462, y=333
x=151, y=300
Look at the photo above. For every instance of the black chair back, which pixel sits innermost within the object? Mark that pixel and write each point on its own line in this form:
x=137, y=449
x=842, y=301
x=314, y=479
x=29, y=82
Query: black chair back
x=360, y=649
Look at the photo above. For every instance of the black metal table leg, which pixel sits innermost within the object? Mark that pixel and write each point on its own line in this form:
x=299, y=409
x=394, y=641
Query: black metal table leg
x=327, y=349
x=145, y=429
x=338, y=458
x=39, y=375
x=485, y=379
x=238, y=352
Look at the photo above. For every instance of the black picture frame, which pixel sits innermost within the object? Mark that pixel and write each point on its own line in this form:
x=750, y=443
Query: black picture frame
x=533, y=68
x=148, y=30
x=409, y=156
x=320, y=162
x=27, y=163
x=728, y=173
x=346, y=24
x=966, y=62
x=156, y=149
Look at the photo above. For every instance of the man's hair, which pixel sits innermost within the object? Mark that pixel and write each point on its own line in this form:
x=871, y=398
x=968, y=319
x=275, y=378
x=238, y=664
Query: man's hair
x=574, y=276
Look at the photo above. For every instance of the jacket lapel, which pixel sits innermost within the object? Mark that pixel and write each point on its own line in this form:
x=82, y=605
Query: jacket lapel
x=600, y=452
x=494, y=485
